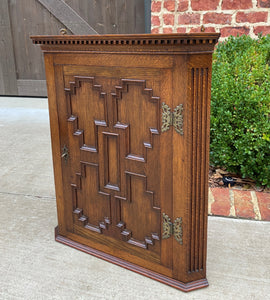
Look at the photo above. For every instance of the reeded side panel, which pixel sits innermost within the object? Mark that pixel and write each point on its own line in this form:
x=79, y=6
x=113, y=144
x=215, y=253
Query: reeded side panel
x=199, y=79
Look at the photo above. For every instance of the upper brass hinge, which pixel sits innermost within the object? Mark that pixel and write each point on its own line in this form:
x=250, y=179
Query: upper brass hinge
x=172, y=118
x=174, y=228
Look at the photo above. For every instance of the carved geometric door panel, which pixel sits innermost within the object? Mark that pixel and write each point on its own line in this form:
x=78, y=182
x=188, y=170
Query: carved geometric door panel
x=92, y=207
x=111, y=128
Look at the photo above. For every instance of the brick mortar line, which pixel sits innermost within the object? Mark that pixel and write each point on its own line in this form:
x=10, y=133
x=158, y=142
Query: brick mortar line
x=256, y=208
x=250, y=26
x=175, y=16
x=232, y=209
x=218, y=10
x=224, y=11
x=233, y=21
x=203, y=12
x=216, y=25
x=251, y=32
x=189, y=6
x=211, y=200
x=254, y=4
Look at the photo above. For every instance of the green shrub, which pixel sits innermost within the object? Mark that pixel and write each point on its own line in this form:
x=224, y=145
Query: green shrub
x=240, y=107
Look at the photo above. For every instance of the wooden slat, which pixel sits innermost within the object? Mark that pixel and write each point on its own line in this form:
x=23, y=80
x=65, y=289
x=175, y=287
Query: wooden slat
x=111, y=16
x=29, y=17
x=32, y=88
x=147, y=16
x=22, y=63
x=66, y=15
x=8, y=82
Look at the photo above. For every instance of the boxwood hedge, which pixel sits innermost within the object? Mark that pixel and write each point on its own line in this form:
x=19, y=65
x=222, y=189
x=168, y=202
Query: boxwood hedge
x=240, y=107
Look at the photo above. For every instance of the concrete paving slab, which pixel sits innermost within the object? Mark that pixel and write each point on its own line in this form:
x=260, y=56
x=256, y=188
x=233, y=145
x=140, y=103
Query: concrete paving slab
x=34, y=266
x=25, y=160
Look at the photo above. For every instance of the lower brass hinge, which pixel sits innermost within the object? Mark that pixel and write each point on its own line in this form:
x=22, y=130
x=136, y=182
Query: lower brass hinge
x=174, y=228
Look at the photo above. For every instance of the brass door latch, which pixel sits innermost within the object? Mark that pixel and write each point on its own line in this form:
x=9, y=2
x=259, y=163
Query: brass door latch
x=65, y=153
x=172, y=118
x=174, y=228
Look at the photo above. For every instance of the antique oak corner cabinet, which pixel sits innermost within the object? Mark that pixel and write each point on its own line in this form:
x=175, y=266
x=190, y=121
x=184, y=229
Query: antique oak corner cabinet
x=129, y=119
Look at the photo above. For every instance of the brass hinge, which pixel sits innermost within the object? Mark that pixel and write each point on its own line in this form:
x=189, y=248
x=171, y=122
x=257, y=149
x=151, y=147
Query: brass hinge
x=174, y=228
x=172, y=118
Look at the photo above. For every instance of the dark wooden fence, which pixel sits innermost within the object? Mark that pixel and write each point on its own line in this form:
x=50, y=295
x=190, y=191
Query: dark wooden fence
x=21, y=64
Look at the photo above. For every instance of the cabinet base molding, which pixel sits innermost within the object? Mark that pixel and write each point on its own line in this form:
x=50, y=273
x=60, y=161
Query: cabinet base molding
x=185, y=287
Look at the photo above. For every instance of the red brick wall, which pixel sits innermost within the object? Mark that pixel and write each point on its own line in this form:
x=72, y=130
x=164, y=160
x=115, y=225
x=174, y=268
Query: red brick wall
x=229, y=17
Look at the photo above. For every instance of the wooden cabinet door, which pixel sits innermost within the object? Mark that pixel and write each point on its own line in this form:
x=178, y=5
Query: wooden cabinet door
x=116, y=165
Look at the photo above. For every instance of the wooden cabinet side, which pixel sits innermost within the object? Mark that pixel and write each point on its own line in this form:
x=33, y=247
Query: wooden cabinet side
x=55, y=138
x=192, y=87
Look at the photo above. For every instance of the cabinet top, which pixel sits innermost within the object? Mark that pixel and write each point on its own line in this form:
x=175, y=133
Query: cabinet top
x=189, y=42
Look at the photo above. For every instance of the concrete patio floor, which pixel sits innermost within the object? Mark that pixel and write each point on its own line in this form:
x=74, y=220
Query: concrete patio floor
x=34, y=266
